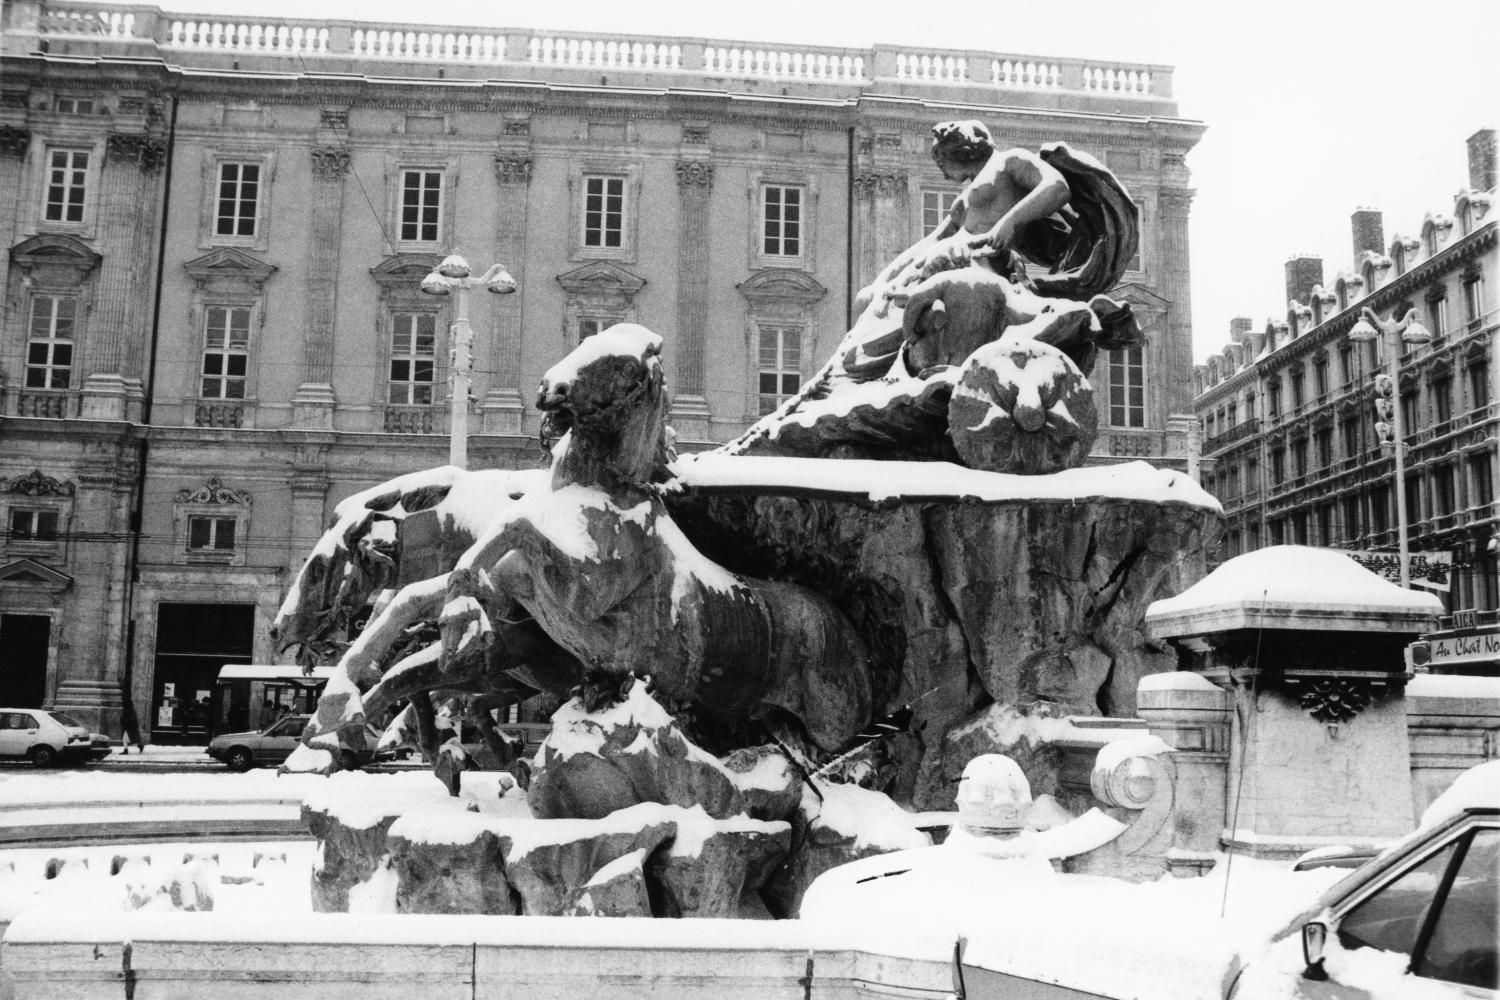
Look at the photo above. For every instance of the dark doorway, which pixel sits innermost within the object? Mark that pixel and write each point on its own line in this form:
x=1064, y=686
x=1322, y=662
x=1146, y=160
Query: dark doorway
x=192, y=642
x=23, y=660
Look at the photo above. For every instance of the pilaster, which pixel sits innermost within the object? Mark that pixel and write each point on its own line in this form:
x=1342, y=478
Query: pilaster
x=695, y=180
x=14, y=142
x=1177, y=353
x=127, y=223
x=503, y=406
x=314, y=402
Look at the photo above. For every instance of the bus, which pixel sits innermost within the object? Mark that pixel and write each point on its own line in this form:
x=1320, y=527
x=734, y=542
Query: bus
x=251, y=696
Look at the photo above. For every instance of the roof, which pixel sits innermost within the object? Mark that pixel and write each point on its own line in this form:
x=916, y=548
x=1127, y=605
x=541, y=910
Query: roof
x=273, y=672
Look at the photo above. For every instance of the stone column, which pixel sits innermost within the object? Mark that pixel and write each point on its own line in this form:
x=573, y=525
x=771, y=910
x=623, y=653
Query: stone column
x=503, y=405
x=309, y=485
x=313, y=405
x=867, y=263
x=690, y=411
x=128, y=225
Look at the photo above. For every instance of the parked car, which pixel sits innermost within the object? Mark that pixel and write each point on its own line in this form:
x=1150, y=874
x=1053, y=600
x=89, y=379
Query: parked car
x=259, y=748
x=100, y=746
x=47, y=737
x=1431, y=901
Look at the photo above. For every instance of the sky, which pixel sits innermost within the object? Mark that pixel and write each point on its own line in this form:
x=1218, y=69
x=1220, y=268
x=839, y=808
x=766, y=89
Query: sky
x=1313, y=109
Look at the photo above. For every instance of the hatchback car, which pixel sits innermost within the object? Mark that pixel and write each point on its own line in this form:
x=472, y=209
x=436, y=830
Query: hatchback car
x=1420, y=919
x=265, y=747
x=46, y=737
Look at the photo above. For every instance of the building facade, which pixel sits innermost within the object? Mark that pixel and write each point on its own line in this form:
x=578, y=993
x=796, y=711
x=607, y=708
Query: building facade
x=1291, y=430
x=216, y=229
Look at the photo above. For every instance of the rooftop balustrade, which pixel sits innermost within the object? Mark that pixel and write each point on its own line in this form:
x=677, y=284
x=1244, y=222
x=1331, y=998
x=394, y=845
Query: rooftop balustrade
x=178, y=35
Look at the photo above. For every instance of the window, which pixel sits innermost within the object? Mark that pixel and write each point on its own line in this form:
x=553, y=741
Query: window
x=1278, y=531
x=49, y=345
x=935, y=206
x=1437, y=308
x=1474, y=296
x=1297, y=396
x=780, y=365
x=1278, y=466
x=1134, y=264
x=1442, y=400
x=1127, y=388
x=1299, y=457
x=1380, y=509
x=1325, y=524
x=1346, y=364
x=33, y=525
x=1351, y=518
x=74, y=106
x=1409, y=413
x=1442, y=490
x=1479, y=385
x=1390, y=919
x=1480, y=475
x=590, y=325
x=1299, y=527
x=1324, y=442
x=781, y=220
x=211, y=534
x=1320, y=377
x=1460, y=947
x=239, y=196
x=1273, y=399
x=226, y=351
x=421, y=203
x=67, y=184
x=603, y=211
x=413, y=358
x=1413, y=498
x=1352, y=435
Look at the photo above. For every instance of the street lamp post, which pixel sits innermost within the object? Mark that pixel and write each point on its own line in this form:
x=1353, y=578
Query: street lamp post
x=1392, y=333
x=452, y=277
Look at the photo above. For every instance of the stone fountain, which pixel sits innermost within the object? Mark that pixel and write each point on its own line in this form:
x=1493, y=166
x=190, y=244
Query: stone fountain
x=774, y=654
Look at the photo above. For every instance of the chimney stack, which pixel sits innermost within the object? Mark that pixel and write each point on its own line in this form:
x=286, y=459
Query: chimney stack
x=1303, y=271
x=1368, y=227
x=1238, y=327
x=1482, y=160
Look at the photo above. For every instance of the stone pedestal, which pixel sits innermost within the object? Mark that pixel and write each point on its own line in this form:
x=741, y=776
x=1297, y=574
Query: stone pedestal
x=96, y=704
x=1192, y=715
x=110, y=397
x=690, y=419
x=501, y=412
x=1308, y=646
x=312, y=407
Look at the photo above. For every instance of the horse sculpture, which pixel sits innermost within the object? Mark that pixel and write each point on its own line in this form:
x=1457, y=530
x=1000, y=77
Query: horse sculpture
x=598, y=562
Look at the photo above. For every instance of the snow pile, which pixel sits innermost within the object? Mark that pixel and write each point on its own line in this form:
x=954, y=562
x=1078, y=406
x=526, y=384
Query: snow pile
x=359, y=800
x=1295, y=575
x=1476, y=788
x=870, y=819
x=878, y=480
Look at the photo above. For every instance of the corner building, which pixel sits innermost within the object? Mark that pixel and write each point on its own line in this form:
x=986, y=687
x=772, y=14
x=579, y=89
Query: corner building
x=1288, y=409
x=215, y=230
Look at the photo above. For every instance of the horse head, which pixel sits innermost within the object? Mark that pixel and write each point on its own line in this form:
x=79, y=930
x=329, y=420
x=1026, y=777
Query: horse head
x=609, y=396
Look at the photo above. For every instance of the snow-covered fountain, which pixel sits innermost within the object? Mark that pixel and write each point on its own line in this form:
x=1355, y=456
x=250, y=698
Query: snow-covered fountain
x=910, y=543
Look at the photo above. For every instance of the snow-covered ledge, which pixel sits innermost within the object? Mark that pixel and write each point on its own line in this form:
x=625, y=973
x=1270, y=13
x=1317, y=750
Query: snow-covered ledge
x=1309, y=645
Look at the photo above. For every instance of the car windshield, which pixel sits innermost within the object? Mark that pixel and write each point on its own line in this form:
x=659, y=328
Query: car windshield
x=66, y=719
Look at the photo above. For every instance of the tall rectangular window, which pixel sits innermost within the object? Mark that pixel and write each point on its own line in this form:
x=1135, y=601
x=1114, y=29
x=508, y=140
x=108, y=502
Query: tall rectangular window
x=421, y=205
x=1474, y=296
x=1480, y=476
x=1324, y=442
x=1437, y=308
x=1351, y=518
x=780, y=365
x=781, y=220
x=49, y=344
x=935, y=205
x=67, y=184
x=1299, y=457
x=1297, y=396
x=1351, y=433
x=226, y=351
x=211, y=534
x=413, y=358
x=1413, y=499
x=603, y=211
x=1442, y=400
x=1380, y=509
x=1320, y=377
x=1479, y=386
x=1409, y=410
x=239, y=197
x=1443, y=495
x=590, y=325
x=1273, y=400
x=1346, y=364
x=1278, y=466
x=1127, y=388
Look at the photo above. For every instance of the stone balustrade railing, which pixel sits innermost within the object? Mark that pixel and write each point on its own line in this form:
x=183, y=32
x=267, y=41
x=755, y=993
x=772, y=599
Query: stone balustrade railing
x=250, y=35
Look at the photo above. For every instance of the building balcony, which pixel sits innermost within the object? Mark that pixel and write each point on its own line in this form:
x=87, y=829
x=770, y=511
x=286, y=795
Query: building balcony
x=475, y=52
x=1238, y=432
x=414, y=420
x=219, y=413
x=52, y=404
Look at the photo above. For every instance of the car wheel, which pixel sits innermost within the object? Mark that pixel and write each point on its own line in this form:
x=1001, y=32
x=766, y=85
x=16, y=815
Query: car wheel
x=348, y=761
x=239, y=759
x=43, y=756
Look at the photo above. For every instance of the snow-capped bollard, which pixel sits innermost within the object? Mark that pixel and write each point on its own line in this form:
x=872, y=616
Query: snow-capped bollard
x=993, y=797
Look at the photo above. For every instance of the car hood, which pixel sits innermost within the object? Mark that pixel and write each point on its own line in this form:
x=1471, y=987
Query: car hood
x=227, y=737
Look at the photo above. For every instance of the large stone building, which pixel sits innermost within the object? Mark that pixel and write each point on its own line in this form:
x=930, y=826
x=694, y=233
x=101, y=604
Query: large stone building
x=215, y=231
x=1291, y=443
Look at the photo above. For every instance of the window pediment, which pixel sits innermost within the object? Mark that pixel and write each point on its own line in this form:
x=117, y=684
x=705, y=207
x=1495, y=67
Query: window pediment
x=601, y=276
x=404, y=269
x=65, y=256
x=778, y=285
x=1140, y=296
x=229, y=267
x=30, y=573
x=35, y=484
